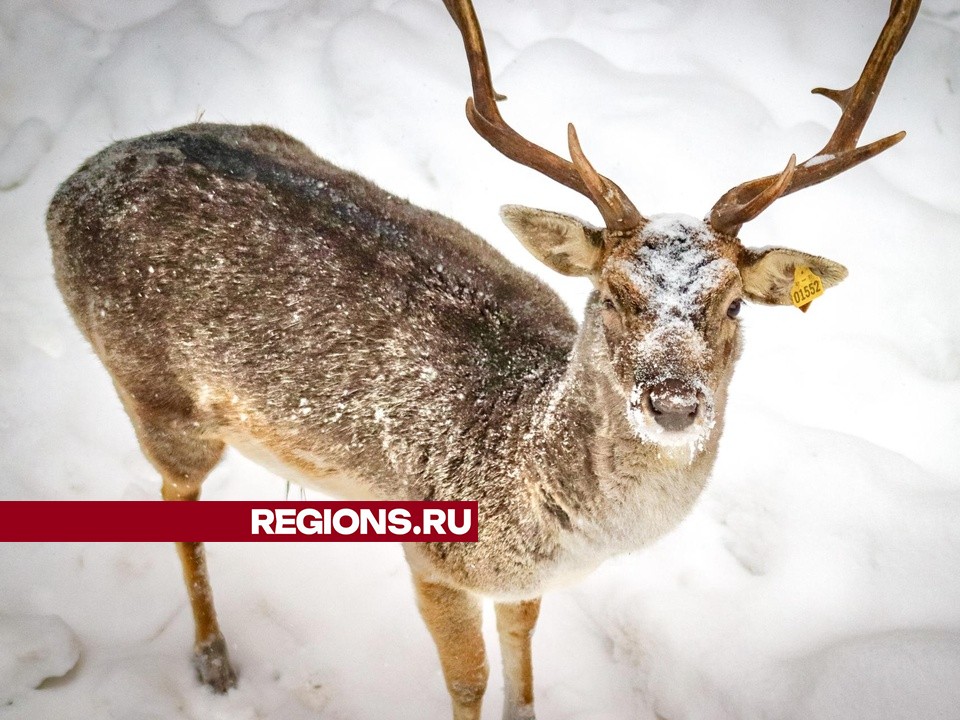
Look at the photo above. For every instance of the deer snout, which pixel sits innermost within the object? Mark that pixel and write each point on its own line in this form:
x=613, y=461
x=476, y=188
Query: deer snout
x=673, y=404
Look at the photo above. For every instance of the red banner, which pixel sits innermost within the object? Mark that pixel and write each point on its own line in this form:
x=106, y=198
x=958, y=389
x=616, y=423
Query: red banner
x=235, y=521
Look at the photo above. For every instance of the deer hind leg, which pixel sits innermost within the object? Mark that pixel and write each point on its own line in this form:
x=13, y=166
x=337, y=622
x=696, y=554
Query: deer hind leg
x=515, y=623
x=454, y=619
x=184, y=459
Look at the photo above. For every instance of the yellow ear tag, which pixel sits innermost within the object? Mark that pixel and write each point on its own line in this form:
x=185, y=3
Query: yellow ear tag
x=806, y=288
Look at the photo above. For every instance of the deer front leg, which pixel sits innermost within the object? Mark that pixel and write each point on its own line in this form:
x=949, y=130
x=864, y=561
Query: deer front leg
x=515, y=623
x=454, y=619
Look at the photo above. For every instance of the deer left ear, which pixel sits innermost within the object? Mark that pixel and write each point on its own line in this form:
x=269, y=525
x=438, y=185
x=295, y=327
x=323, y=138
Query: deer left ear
x=562, y=242
x=768, y=273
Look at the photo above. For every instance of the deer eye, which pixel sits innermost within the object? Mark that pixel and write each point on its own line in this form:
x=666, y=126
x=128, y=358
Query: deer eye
x=734, y=308
x=608, y=304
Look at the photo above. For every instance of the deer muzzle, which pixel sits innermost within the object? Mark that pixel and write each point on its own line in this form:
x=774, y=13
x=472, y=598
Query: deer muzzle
x=672, y=404
x=672, y=412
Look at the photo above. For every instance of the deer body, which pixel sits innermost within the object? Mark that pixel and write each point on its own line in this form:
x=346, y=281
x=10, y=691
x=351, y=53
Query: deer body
x=242, y=291
x=362, y=345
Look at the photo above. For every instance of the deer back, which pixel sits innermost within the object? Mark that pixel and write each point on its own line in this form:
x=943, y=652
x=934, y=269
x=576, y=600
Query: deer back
x=229, y=277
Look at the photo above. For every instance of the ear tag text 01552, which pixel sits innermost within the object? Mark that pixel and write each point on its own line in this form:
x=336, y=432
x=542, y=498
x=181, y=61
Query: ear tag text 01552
x=807, y=286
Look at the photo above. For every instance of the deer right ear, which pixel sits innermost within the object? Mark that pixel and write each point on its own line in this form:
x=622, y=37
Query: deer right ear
x=562, y=242
x=767, y=273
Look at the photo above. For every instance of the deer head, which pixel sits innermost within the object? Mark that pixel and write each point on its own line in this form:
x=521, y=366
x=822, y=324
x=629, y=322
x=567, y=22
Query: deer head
x=668, y=288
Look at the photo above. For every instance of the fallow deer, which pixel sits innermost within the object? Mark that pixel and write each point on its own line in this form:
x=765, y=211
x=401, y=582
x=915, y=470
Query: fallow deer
x=242, y=291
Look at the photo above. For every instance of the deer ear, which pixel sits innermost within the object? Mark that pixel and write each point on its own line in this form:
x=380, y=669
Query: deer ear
x=767, y=273
x=563, y=243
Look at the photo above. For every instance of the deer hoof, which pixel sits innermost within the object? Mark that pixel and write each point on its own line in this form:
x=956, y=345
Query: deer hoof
x=213, y=666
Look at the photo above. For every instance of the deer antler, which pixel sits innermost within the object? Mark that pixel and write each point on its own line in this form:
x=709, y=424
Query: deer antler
x=482, y=112
x=744, y=202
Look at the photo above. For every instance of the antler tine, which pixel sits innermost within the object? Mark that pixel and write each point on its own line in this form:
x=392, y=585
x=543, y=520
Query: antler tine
x=615, y=207
x=618, y=212
x=841, y=152
x=751, y=199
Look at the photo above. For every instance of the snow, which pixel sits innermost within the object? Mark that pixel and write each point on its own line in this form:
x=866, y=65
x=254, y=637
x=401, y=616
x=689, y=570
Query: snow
x=819, y=159
x=817, y=576
x=38, y=648
x=677, y=274
x=27, y=144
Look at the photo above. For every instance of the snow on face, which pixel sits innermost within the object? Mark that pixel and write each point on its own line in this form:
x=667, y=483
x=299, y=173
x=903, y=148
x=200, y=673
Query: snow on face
x=677, y=267
x=667, y=336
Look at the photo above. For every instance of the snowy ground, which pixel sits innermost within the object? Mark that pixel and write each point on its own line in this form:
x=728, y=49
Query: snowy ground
x=817, y=577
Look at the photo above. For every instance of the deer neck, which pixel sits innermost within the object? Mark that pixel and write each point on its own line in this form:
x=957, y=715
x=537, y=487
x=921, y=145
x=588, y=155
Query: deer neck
x=597, y=475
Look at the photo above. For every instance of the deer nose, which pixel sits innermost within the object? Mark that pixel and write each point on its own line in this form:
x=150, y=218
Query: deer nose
x=673, y=404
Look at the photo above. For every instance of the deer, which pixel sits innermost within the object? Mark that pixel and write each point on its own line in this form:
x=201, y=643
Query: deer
x=242, y=291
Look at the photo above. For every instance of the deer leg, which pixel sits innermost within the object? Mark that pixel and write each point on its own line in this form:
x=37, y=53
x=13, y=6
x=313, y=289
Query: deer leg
x=454, y=619
x=210, y=657
x=184, y=460
x=515, y=623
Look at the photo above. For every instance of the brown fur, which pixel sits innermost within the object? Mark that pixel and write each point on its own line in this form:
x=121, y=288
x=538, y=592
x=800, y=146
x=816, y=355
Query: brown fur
x=454, y=619
x=515, y=623
x=241, y=290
